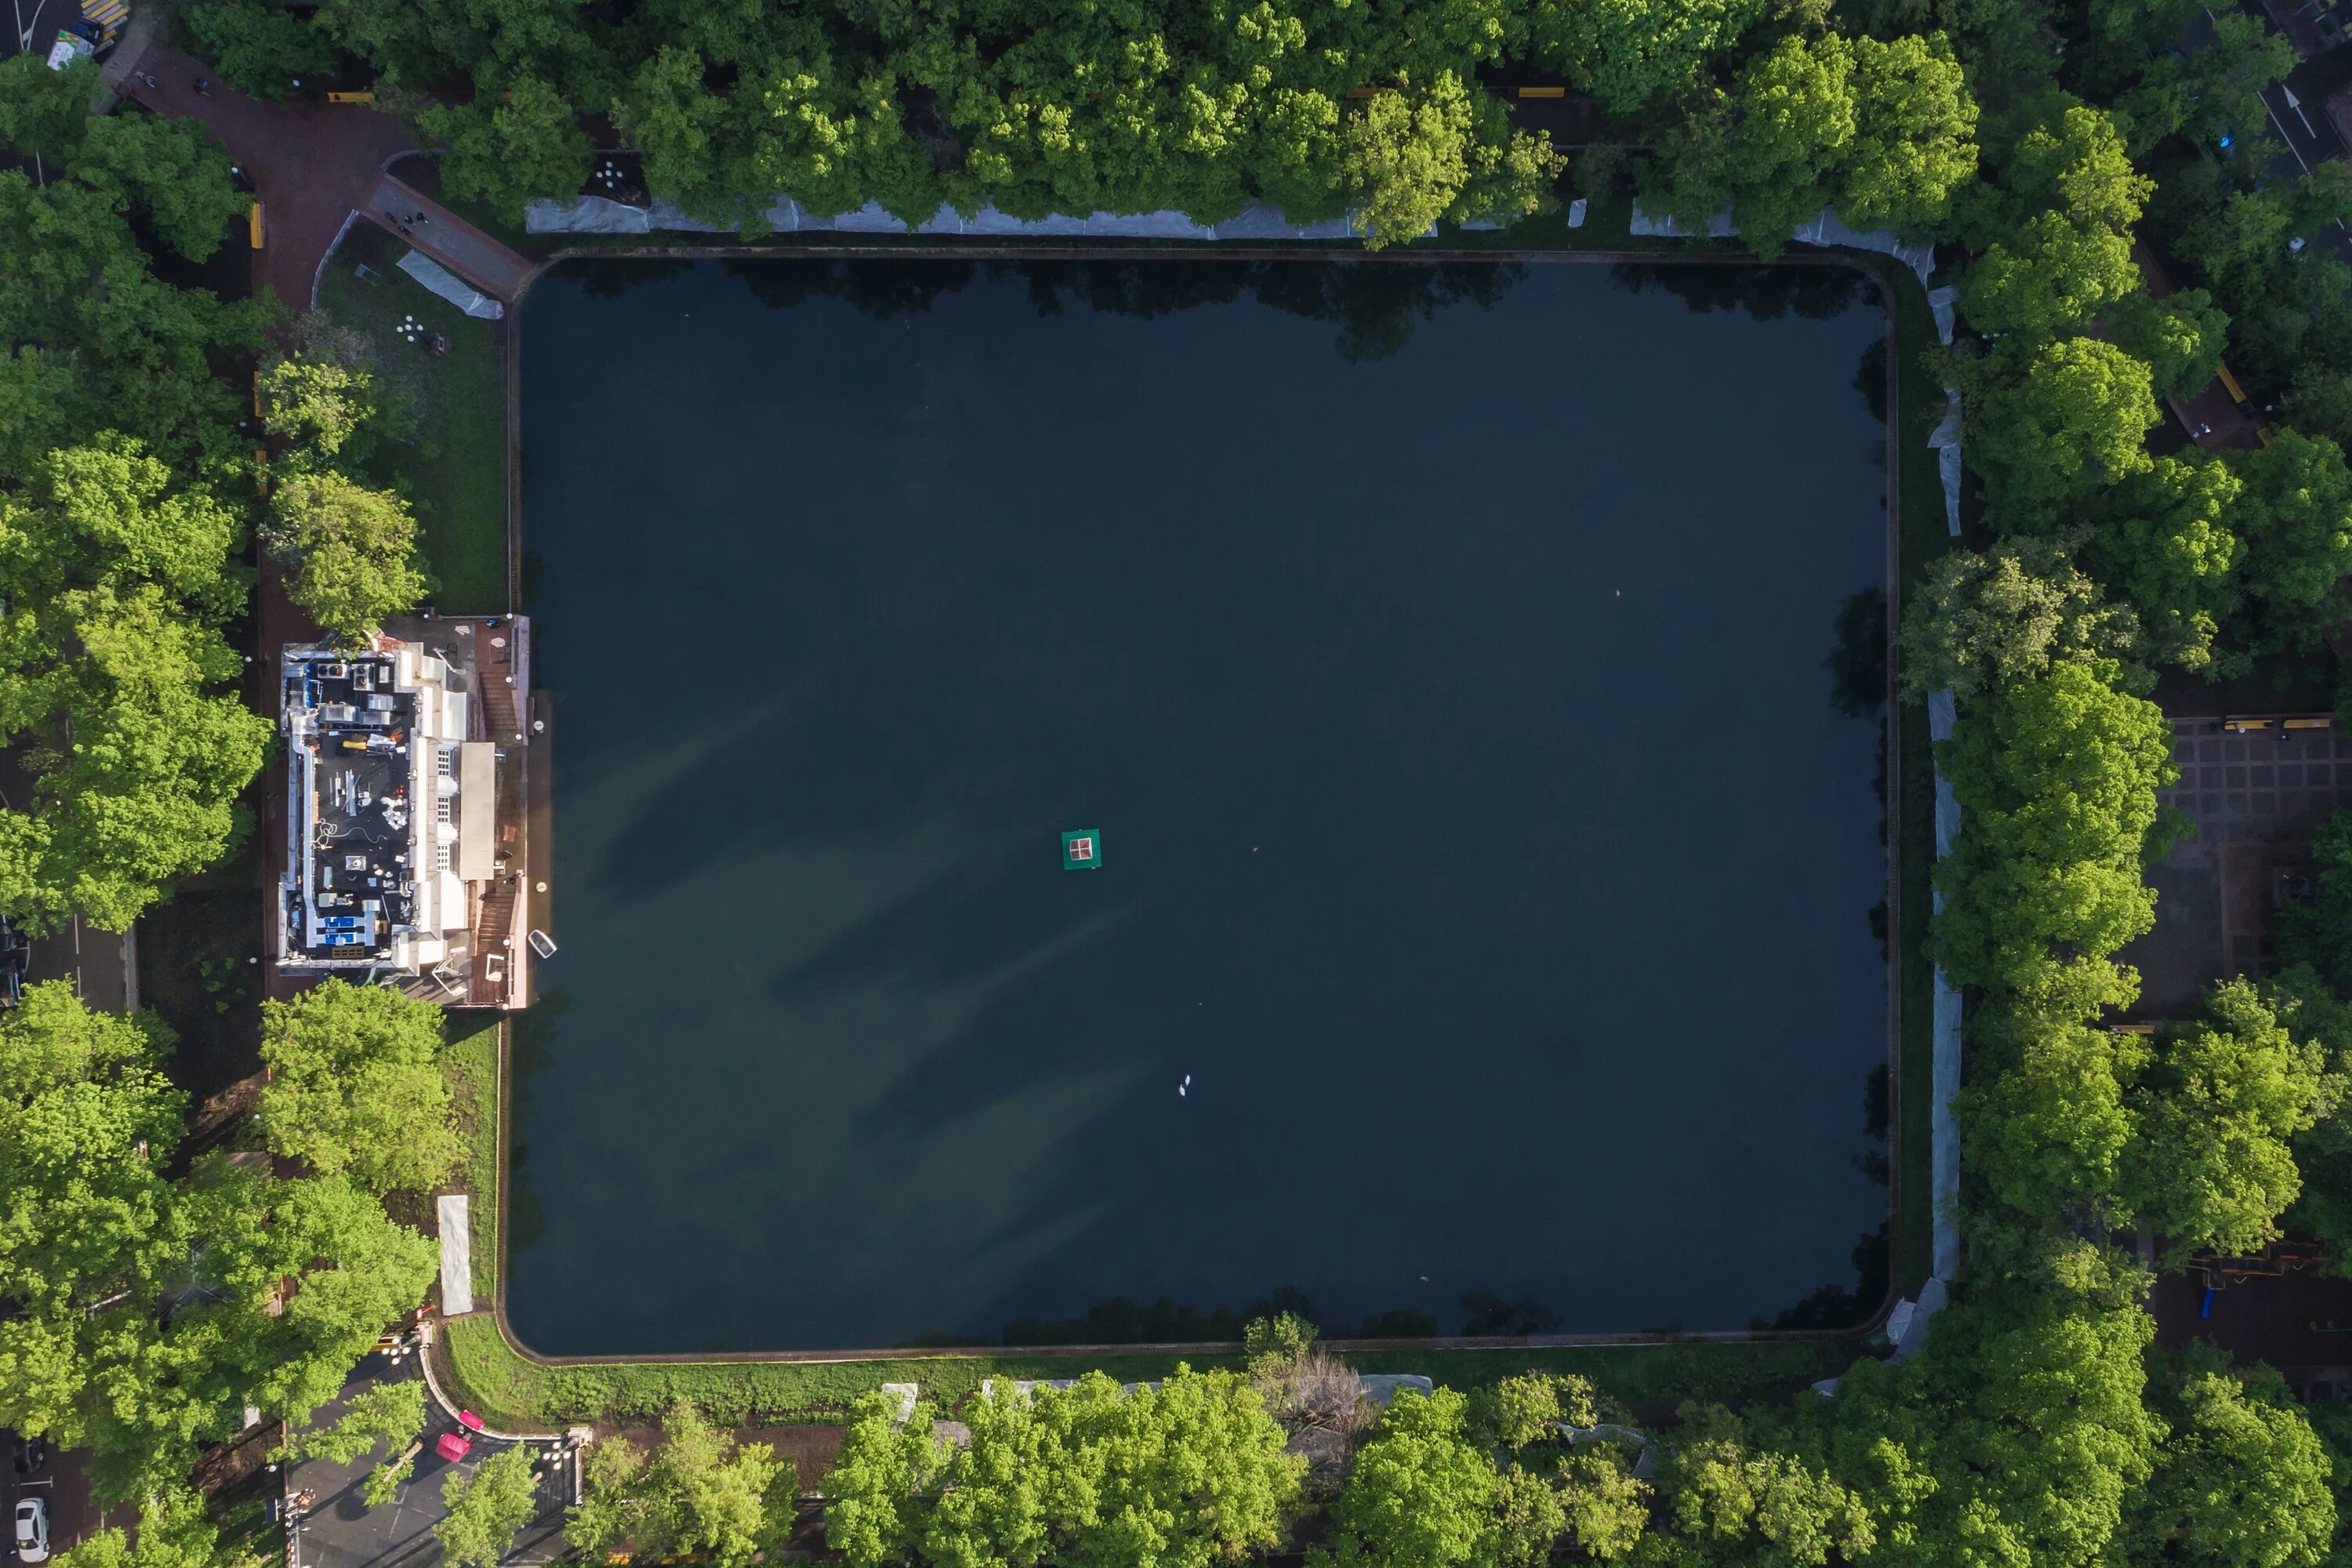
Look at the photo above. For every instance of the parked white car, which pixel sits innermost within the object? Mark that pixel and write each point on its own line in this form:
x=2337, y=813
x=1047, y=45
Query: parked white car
x=32, y=1530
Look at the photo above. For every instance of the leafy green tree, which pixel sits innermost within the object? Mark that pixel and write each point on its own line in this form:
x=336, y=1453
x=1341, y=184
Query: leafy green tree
x=525, y=144
x=487, y=1509
x=172, y=1532
x=1531, y=1518
x=1189, y=1473
x=1754, y=1506
x=881, y=1490
x=1628, y=52
x=2165, y=540
x=169, y=171
x=352, y=551
x=45, y=113
x=2048, y=277
x=2241, y=1481
x=261, y=50
x=316, y=404
x=2315, y=931
x=1422, y=1496
x=356, y=1088
x=2217, y=1110
x=1412, y=156
x=1915, y=135
x=2056, y=776
x=387, y=1412
x=1769, y=145
x=1526, y=1409
x=2051, y=428
x=2296, y=514
x=149, y=1312
x=2181, y=336
x=700, y=1495
x=2048, y=1125
x=1607, y=1507
x=1980, y=620
x=2209, y=91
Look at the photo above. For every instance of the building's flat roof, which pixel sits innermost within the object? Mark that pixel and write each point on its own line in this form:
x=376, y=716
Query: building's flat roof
x=352, y=732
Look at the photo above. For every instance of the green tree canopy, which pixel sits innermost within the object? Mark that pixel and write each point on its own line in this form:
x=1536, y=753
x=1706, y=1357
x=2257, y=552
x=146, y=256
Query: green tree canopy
x=2051, y=428
x=261, y=50
x=171, y=173
x=487, y=1509
x=1980, y=620
x=2163, y=538
x=700, y=1494
x=2217, y=1108
x=1736, y=1502
x=2296, y=514
x=1414, y=156
x=2057, y=777
x=525, y=143
x=2181, y=336
x=1422, y=1496
x=356, y=1087
x=2241, y=1481
x=389, y=1413
x=172, y=1532
x=352, y=551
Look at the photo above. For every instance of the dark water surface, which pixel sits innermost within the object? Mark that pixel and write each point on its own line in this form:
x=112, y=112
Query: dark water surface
x=1449, y=660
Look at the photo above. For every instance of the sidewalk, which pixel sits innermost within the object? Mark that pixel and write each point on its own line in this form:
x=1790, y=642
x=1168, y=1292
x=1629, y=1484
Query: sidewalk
x=447, y=238
x=312, y=164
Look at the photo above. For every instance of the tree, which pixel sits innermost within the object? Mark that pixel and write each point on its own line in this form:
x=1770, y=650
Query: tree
x=2053, y=426
x=2295, y=513
x=353, y=551
x=1915, y=135
x=1413, y=157
x=172, y=1532
x=1527, y=1409
x=316, y=405
x=119, y=686
x=172, y=172
x=1422, y=1496
x=2048, y=1126
x=487, y=1507
x=2181, y=336
x=261, y=50
x=700, y=1495
x=2217, y=1109
x=2205, y=93
x=356, y=1085
x=2165, y=540
x=1981, y=620
x=45, y=113
x=1769, y=1508
x=2046, y=278
x=2316, y=929
x=387, y=1412
x=525, y=145
x=1628, y=52
x=1608, y=1509
x=880, y=1491
x=1531, y=1518
x=2241, y=1481
x=2055, y=776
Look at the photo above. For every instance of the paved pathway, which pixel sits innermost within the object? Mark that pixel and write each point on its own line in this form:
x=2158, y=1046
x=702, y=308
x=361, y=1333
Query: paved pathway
x=314, y=165
x=444, y=237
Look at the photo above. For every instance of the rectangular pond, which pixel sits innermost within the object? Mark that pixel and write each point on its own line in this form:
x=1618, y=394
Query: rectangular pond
x=1467, y=673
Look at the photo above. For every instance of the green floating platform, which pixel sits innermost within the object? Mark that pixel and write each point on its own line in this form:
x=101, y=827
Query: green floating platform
x=1082, y=849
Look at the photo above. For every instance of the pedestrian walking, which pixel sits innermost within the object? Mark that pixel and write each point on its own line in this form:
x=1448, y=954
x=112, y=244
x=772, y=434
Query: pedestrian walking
x=204, y=87
x=152, y=84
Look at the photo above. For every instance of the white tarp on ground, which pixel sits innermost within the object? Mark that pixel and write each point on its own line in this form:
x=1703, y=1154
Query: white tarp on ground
x=1946, y=439
x=450, y=287
x=457, y=1255
x=1941, y=301
x=598, y=214
x=1828, y=229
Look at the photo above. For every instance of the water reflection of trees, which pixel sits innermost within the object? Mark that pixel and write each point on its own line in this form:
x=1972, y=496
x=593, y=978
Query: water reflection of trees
x=1375, y=305
x=1765, y=292
x=1833, y=1305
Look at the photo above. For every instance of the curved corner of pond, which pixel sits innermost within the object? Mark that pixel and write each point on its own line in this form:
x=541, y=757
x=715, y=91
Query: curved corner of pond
x=1450, y=653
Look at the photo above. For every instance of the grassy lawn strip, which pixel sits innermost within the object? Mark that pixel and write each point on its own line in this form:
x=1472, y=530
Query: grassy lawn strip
x=471, y=1065
x=508, y=1390
x=455, y=474
x=1922, y=535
